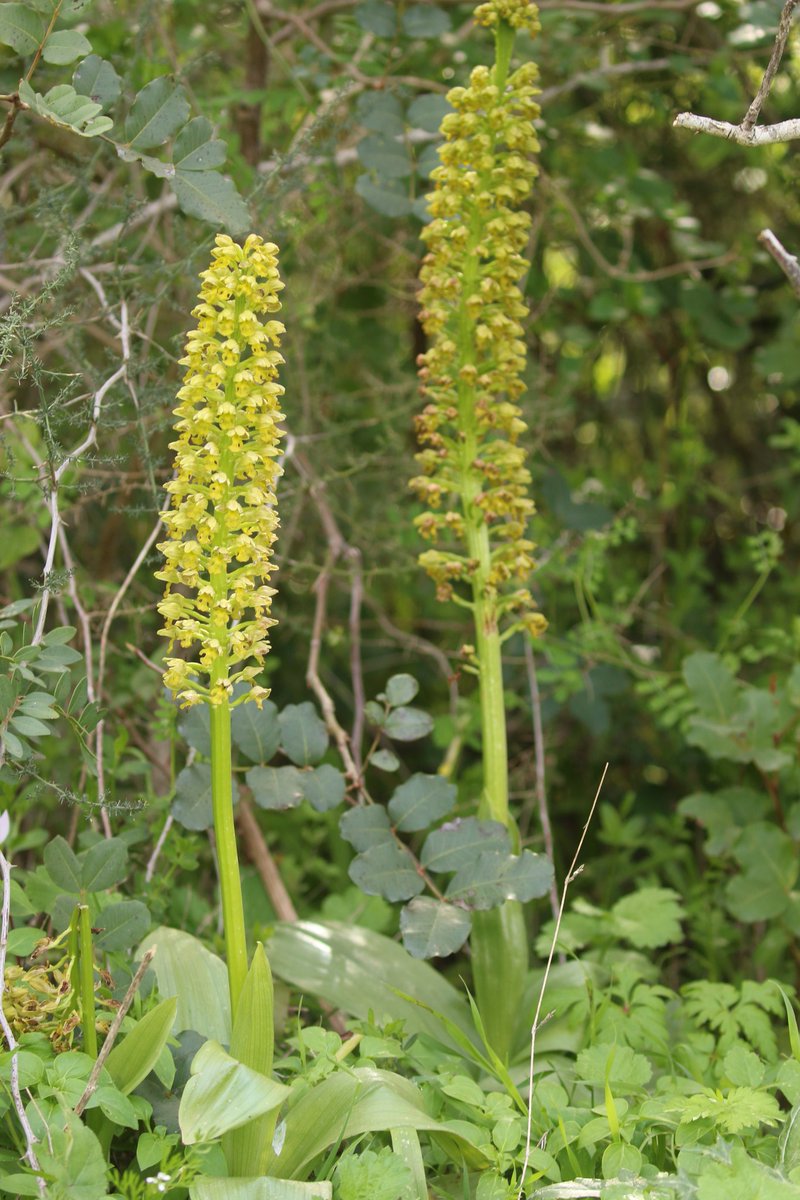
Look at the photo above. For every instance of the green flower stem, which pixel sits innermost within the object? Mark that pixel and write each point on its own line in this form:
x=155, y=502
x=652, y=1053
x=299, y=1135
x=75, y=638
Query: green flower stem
x=86, y=970
x=227, y=857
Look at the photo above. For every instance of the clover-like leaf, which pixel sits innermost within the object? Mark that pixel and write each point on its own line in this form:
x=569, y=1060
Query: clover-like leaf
x=304, y=737
x=420, y=801
x=386, y=870
x=365, y=826
x=432, y=929
x=459, y=843
x=276, y=787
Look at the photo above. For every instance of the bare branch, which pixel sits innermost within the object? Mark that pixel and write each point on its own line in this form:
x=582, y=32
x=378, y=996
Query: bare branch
x=787, y=262
x=257, y=850
x=761, y=135
x=746, y=133
x=113, y=1031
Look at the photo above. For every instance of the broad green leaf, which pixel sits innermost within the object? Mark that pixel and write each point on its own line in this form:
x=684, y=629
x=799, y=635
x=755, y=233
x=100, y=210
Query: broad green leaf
x=621, y=1156
x=65, y=46
x=193, y=806
x=380, y=112
x=459, y=843
x=628, y=1071
x=252, y=1043
x=346, y=1105
x=158, y=111
x=63, y=106
x=495, y=877
x=223, y=1094
x=389, y=158
x=194, y=727
x=713, y=686
x=365, y=826
x=420, y=801
x=789, y=1141
x=22, y=941
x=114, y=1105
x=358, y=970
x=71, y=1156
x=134, y=1057
x=401, y=689
x=384, y=760
x=206, y=1188
x=276, y=787
x=122, y=925
x=29, y=726
x=63, y=865
x=323, y=787
x=196, y=149
x=255, y=731
x=386, y=870
x=184, y=968
x=743, y=1068
x=97, y=79
x=303, y=735
x=376, y=16
x=649, y=917
x=211, y=197
x=428, y=112
x=425, y=21
x=104, y=864
x=432, y=929
x=770, y=869
x=407, y=724
x=389, y=197
x=372, y=1175
x=20, y=28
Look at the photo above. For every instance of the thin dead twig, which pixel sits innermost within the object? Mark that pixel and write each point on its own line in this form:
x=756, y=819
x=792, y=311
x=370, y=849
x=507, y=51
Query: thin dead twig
x=111, y=1036
x=572, y=874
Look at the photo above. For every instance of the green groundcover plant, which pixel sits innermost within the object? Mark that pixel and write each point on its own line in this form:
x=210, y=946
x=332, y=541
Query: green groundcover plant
x=138, y=1062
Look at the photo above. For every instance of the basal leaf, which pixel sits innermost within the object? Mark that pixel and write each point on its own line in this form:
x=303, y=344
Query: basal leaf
x=186, y=969
x=134, y=1056
x=432, y=929
x=420, y=801
x=224, y=1094
x=158, y=111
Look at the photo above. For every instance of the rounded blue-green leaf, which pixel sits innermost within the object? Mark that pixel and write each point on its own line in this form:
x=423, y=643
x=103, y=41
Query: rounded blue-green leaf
x=459, y=843
x=408, y=724
x=323, y=787
x=427, y=112
x=401, y=689
x=365, y=826
x=97, y=79
x=387, y=870
x=432, y=929
x=276, y=787
x=304, y=737
x=425, y=21
x=376, y=16
x=192, y=807
x=255, y=731
x=420, y=801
